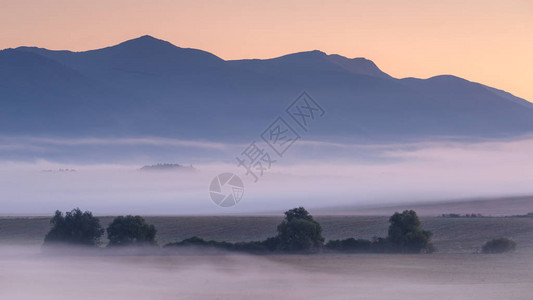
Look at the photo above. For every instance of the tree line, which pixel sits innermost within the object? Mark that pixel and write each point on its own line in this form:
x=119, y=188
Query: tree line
x=82, y=228
x=299, y=232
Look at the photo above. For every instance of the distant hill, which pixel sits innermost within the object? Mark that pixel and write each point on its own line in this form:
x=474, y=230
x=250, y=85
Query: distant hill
x=166, y=167
x=149, y=87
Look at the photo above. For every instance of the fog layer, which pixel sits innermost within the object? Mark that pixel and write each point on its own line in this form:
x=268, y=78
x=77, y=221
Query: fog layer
x=28, y=274
x=313, y=174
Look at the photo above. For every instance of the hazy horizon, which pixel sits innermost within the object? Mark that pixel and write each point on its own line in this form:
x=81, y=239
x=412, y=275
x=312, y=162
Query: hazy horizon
x=313, y=174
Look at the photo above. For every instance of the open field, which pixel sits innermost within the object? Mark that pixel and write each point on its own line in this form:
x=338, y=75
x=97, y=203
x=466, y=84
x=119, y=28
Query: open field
x=451, y=235
x=456, y=271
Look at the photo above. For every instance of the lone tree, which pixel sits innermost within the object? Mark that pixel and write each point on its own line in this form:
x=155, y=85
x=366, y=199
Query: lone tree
x=76, y=228
x=406, y=233
x=299, y=232
x=131, y=230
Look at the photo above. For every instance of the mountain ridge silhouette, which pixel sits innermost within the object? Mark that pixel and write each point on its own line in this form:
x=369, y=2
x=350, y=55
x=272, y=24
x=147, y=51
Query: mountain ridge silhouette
x=147, y=86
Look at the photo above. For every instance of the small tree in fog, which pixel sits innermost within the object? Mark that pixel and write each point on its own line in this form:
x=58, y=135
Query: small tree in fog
x=299, y=231
x=130, y=230
x=406, y=233
x=500, y=245
x=76, y=227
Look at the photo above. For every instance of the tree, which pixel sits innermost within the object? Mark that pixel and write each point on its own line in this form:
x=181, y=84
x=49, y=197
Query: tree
x=406, y=233
x=76, y=227
x=130, y=230
x=299, y=232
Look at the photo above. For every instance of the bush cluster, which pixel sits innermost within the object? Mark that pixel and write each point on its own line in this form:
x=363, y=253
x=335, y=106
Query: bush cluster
x=82, y=228
x=75, y=228
x=299, y=232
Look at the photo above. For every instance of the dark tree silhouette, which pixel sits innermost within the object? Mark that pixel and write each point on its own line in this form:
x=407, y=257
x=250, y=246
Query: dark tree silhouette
x=350, y=245
x=76, y=228
x=299, y=232
x=500, y=245
x=406, y=233
x=130, y=230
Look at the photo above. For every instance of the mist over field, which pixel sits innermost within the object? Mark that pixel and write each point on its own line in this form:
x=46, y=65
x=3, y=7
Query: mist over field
x=314, y=174
x=117, y=275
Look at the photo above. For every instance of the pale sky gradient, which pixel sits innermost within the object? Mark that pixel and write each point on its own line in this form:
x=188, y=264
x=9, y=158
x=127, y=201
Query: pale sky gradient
x=484, y=41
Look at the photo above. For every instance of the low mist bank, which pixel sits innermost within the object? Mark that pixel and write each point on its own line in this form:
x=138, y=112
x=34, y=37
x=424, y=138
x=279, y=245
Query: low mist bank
x=335, y=175
x=435, y=276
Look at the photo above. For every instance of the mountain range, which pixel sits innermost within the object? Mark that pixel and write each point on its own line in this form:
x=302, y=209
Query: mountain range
x=149, y=87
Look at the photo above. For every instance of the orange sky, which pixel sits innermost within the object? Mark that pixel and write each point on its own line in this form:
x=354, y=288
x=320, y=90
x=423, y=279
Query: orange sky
x=485, y=41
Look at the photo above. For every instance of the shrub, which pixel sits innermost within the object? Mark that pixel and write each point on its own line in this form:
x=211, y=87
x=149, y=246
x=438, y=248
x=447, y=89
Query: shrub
x=252, y=247
x=350, y=245
x=196, y=241
x=500, y=245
